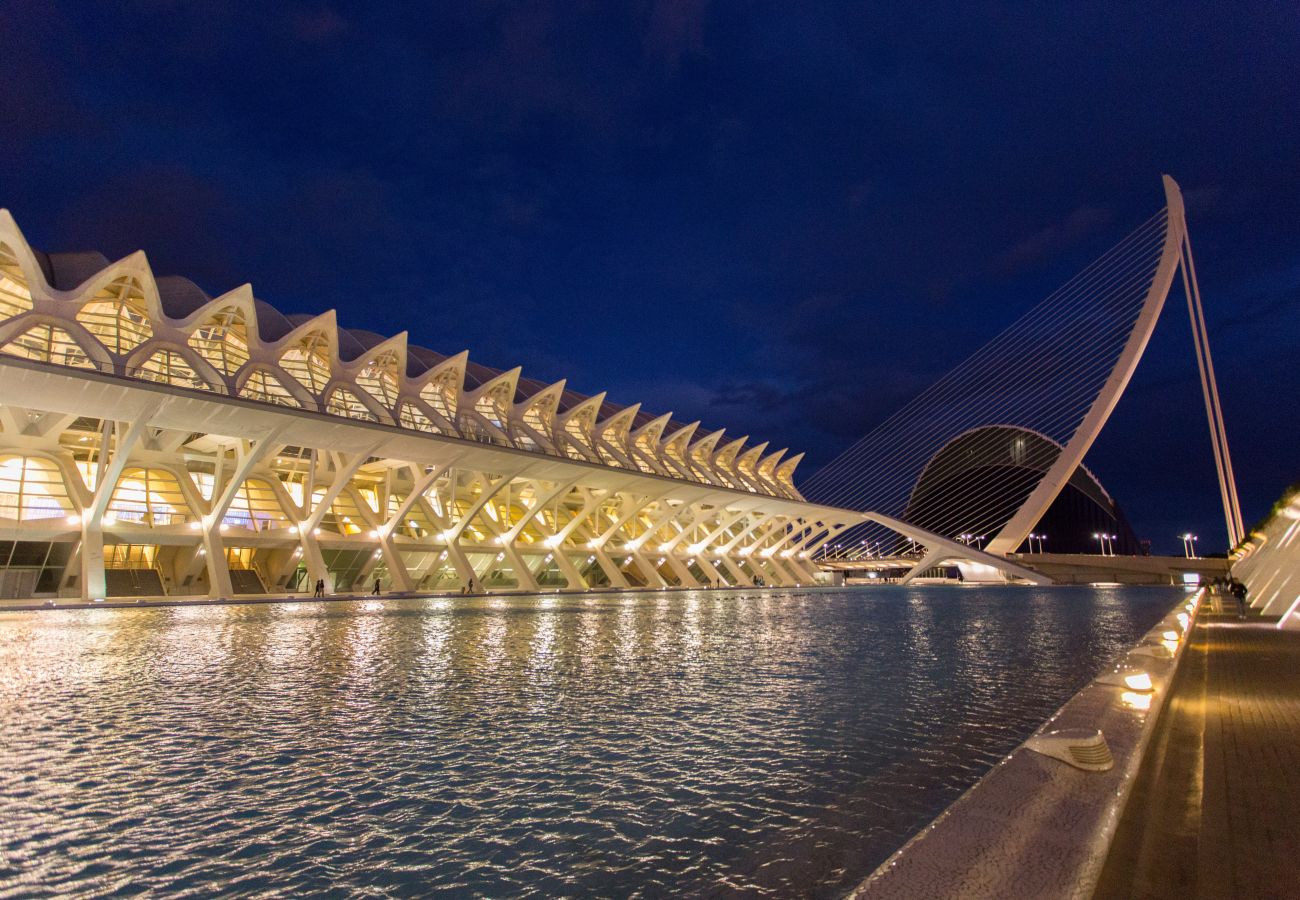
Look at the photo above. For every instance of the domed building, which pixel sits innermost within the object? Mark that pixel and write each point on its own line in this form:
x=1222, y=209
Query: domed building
x=977, y=481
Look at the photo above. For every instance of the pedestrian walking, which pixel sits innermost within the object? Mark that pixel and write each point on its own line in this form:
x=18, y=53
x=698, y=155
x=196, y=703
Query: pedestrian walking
x=1239, y=592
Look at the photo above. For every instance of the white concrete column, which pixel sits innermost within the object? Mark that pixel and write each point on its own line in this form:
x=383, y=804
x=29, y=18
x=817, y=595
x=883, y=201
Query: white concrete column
x=344, y=470
x=247, y=456
x=94, y=584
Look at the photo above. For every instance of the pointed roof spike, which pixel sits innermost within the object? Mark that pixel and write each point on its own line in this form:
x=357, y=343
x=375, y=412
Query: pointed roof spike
x=181, y=304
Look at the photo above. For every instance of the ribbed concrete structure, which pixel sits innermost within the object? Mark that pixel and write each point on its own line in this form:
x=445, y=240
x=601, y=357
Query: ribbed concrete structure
x=158, y=440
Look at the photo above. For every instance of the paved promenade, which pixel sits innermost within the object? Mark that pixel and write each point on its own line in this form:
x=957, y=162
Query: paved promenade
x=1214, y=812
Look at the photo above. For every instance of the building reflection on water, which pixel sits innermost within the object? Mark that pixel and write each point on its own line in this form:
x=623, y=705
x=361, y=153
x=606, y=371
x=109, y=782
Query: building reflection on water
x=664, y=742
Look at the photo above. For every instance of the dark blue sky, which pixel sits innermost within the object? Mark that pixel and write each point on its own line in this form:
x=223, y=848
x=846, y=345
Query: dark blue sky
x=784, y=219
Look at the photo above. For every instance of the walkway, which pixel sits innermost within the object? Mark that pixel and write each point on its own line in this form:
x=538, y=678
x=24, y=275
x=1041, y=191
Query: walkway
x=1213, y=813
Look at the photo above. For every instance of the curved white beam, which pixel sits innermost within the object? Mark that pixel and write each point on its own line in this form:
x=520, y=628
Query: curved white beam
x=1017, y=529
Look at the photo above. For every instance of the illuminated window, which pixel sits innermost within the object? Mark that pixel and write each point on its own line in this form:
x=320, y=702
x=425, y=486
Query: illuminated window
x=441, y=393
x=169, y=367
x=32, y=488
x=293, y=488
x=130, y=556
x=89, y=471
x=343, y=517
x=256, y=508
x=416, y=522
x=674, y=451
x=343, y=402
x=223, y=340
x=724, y=465
x=578, y=429
x=309, y=362
x=148, y=497
x=492, y=405
x=434, y=497
x=266, y=388
x=206, y=482
x=699, y=463
x=239, y=559
x=15, y=298
x=117, y=316
x=646, y=453
x=49, y=343
x=702, y=474
x=785, y=473
x=411, y=416
x=538, y=417
x=577, y=433
x=615, y=435
x=379, y=378
x=609, y=458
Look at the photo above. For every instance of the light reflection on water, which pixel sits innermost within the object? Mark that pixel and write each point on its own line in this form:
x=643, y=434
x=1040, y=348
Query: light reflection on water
x=771, y=744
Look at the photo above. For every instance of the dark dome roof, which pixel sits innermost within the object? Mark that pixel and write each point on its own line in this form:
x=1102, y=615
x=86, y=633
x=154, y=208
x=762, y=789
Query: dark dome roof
x=67, y=271
x=180, y=297
x=271, y=323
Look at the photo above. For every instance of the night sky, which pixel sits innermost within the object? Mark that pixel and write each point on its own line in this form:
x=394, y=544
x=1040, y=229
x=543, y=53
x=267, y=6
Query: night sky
x=782, y=219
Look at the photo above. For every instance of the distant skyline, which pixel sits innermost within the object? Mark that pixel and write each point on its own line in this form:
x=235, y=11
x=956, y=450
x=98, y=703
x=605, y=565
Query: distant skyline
x=786, y=222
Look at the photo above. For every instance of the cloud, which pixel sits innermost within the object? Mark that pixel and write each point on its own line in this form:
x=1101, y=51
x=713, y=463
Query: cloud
x=675, y=31
x=319, y=27
x=1042, y=245
x=1272, y=294
x=183, y=220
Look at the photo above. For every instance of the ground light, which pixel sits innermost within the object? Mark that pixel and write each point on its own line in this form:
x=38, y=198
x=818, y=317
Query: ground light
x=1140, y=681
x=1133, y=680
x=1134, y=700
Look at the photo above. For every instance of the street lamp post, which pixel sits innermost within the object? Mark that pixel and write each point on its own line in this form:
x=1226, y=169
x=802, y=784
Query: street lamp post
x=1189, y=545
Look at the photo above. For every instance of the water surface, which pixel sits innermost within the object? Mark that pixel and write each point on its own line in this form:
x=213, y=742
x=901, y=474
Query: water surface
x=770, y=744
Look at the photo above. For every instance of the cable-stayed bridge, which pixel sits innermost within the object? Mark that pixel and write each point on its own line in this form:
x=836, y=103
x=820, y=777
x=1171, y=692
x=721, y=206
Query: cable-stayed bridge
x=984, y=453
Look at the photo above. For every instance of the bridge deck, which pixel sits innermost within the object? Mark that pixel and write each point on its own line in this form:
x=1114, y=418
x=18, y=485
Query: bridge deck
x=1213, y=812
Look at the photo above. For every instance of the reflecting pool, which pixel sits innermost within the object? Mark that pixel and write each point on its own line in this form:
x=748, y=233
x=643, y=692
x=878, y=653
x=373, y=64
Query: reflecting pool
x=765, y=743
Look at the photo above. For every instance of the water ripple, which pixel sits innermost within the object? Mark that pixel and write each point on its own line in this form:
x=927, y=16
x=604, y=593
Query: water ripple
x=684, y=744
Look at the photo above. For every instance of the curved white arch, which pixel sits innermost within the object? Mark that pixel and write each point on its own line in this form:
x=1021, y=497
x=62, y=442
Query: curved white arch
x=1015, y=531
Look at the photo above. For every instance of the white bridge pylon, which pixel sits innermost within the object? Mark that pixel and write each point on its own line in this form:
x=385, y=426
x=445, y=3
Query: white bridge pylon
x=1058, y=372
x=1176, y=255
